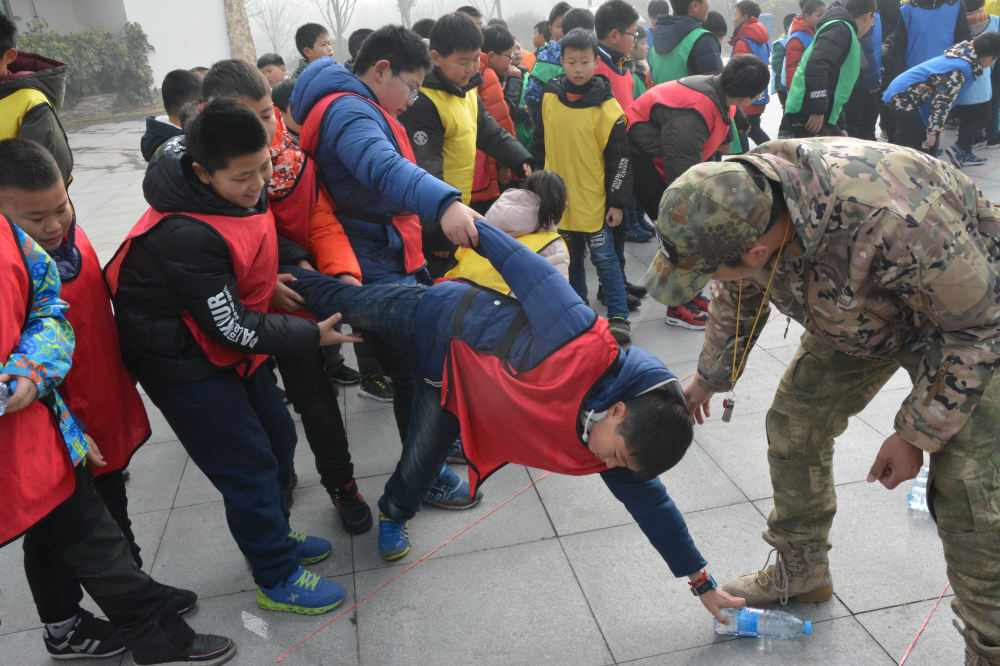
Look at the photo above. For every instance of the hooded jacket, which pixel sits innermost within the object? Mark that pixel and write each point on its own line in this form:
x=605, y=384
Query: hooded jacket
x=548, y=64
x=30, y=96
x=830, y=51
x=177, y=267
x=670, y=31
x=753, y=30
x=551, y=316
x=364, y=172
x=157, y=133
x=878, y=267
x=795, y=47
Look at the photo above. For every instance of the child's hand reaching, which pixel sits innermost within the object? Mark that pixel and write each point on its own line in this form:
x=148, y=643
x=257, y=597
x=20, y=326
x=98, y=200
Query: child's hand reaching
x=284, y=298
x=328, y=335
x=614, y=217
x=94, y=457
x=24, y=393
x=459, y=224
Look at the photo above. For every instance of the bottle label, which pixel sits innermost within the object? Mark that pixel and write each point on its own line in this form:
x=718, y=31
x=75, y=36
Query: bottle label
x=747, y=623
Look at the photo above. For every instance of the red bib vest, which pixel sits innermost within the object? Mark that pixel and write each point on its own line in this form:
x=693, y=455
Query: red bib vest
x=526, y=418
x=407, y=224
x=98, y=388
x=253, y=249
x=675, y=94
x=622, y=85
x=296, y=176
x=36, y=474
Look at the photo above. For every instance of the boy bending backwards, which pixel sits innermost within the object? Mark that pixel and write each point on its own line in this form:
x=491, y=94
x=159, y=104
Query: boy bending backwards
x=579, y=403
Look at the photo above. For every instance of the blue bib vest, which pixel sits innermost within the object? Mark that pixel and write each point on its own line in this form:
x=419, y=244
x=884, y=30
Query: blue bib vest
x=807, y=39
x=923, y=71
x=762, y=51
x=981, y=90
x=928, y=31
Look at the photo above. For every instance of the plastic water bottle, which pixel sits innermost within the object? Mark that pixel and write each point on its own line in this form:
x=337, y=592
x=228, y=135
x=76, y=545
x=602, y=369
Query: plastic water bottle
x=762, y=623
x=6, y=390
x=917, y=498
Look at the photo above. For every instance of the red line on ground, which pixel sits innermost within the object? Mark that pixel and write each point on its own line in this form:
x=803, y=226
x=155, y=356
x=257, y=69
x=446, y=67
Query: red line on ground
x=924, y=625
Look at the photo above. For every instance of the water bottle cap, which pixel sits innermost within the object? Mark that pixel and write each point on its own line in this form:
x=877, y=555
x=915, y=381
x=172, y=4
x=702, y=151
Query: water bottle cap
x=807, y=627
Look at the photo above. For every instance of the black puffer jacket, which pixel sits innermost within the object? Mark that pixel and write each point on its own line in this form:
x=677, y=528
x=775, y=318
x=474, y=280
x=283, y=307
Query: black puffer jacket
x=829, y=51
x=705, y=55
x=175, y=268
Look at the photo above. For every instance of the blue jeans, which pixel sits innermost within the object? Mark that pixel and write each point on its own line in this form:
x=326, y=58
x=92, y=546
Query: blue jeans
x=605, y=259
x=239, y=433
x=388, y=311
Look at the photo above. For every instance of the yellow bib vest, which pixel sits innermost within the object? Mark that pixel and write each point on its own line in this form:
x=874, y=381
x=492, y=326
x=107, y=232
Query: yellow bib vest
x=14, y=106
x=574, y=148
x=473, y=267
x=460, y=119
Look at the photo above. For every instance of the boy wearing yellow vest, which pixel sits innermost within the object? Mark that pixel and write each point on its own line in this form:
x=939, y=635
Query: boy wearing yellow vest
x=582, y=138
x=448, y=122
x=31, y=89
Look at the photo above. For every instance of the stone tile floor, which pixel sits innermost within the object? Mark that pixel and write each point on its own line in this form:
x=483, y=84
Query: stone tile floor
x=559, y=574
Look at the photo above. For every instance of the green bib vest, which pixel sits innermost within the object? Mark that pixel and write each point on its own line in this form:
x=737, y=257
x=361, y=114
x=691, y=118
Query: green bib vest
x=845, y=80
x=673, y=65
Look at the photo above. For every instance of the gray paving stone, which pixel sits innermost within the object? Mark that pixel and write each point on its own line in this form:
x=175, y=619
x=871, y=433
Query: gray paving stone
x=881, y=411
x=518, y=604
x=641, y=607
x=154, y=472
x=895, y=628
x=195, y=488
x=374, y=441
x=522, y=520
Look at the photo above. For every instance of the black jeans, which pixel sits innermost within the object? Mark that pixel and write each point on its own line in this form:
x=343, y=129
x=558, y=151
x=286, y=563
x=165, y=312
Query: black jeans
x=648, y=185
x=81, y=536
x=111, y=488
x=756, y=133
x=241, y=436
x=972, y=119
x=313, y=397
x=862, y=113
x=909, y=130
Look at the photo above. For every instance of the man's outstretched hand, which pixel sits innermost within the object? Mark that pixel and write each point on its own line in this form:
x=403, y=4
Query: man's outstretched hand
x=696, y=400
x=458, y=224
x=897, y=461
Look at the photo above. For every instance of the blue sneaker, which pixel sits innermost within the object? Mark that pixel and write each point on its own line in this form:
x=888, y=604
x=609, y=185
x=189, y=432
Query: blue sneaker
x=393, y=539
x=313, y=549
x=638, y=235
x=450, y=492
x=303, y=592
x=456, y=456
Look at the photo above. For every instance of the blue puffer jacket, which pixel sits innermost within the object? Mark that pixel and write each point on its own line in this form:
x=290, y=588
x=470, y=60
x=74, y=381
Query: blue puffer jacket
x=533, y=87
x=363, y=170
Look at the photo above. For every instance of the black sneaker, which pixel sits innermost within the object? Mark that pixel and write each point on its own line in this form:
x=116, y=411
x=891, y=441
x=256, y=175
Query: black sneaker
x=635, y=290
x=89, y=638
x=631, y=301
x=183, y=600
x=620, y=329
x=355, y=515
x=377, y=387
x=345, y=375
x=206, y=650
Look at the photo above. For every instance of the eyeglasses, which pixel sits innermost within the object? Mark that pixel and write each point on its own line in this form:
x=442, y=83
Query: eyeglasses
x=414, y=92
x=633, y=35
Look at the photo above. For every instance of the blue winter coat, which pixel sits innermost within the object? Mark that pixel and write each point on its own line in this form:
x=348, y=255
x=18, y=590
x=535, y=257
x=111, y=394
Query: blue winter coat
x=363, y=169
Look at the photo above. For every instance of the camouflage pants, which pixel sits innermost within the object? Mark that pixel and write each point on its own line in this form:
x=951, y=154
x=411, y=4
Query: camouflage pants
x=821, y=389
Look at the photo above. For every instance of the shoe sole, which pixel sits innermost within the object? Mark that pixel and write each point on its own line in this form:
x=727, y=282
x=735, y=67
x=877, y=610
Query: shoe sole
x=371, y=396
x=393, y=558
x=271, y=605
x=684, y=324
x=221, y=659
x=81, y=655
x=818, y=595
x=456, y=460
x=318, y=558
x=454, y=507
x=345, y=382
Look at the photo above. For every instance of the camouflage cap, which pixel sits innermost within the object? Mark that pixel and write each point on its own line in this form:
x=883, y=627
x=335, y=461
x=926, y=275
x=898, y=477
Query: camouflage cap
x=712, y=213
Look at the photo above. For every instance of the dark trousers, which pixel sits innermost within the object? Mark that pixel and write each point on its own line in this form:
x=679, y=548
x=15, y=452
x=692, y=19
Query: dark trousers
x=993, y=123
x=367, y=364
x=81, y=535
x=648, y=185
x=240, y=435
x=111, y=488
x=972, y=119
x=782, y=97
x=756, y=133
x=909, y=130
x=862, y=113
x=793, y=125
x=313, y=397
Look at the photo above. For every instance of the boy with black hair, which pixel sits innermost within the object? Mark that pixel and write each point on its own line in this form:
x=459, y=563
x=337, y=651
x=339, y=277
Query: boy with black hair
x=199, y=70
x=543, y=366
x=313, y=42
x=366, y=162
x=179, y=87
x=272, y=66
x=750, y=37
x=778, y=60
x=46, y=487
x=937, y=82
x=192, y=286
x=354, y=42
x=825, y=77
x=541, y=35
x=800, y=36
x=473, y=14
x=617, y=24
x=449, y=121
x=654, y=10
x=681, y=45
x=281, y=97
x=294, y=200
x=31, y=92
x=423, y=27
x=715, y=23
x=582, y=138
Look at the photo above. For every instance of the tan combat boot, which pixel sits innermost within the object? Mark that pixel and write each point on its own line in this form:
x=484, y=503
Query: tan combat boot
x=977, y=653
x=799, y=572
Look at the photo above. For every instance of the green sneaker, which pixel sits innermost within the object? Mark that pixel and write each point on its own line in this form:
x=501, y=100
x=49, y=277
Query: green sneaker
x=303, y=592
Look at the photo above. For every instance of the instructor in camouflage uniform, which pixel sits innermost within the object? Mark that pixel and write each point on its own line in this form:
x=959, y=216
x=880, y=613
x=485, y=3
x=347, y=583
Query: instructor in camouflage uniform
x=888, y=258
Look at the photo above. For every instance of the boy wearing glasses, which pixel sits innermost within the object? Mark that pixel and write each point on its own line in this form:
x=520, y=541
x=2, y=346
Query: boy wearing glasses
x=449, y=121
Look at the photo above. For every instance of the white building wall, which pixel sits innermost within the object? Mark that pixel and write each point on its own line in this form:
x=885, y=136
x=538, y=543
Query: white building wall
x=185, y=33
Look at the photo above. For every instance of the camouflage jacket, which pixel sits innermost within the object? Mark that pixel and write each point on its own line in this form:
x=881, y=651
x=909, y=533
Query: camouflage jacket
x=894, y=252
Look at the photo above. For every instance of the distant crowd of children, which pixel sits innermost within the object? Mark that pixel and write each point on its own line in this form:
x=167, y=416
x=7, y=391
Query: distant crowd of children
x=279, y=204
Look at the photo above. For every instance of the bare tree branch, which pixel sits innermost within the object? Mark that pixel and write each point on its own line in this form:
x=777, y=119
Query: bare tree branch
x=405, y=6
x=277, y=19
x=338, y=14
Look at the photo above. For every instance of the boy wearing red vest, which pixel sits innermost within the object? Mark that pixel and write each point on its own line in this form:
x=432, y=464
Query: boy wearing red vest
x=800, y=36
x=98, y=389
x=365, y=160
x=46, y=488
x=675, y=125
x=543, y=366
x=294, y=199
x=192, y=285
x=750, y=37
x=449, y=121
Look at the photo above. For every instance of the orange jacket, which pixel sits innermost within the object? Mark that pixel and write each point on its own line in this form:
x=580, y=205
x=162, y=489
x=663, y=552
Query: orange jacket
x=485, y=186
x=328, y=244
x=528, y=60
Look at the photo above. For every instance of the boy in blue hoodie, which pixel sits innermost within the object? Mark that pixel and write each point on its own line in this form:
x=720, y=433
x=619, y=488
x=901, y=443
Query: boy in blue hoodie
x=579, y=403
